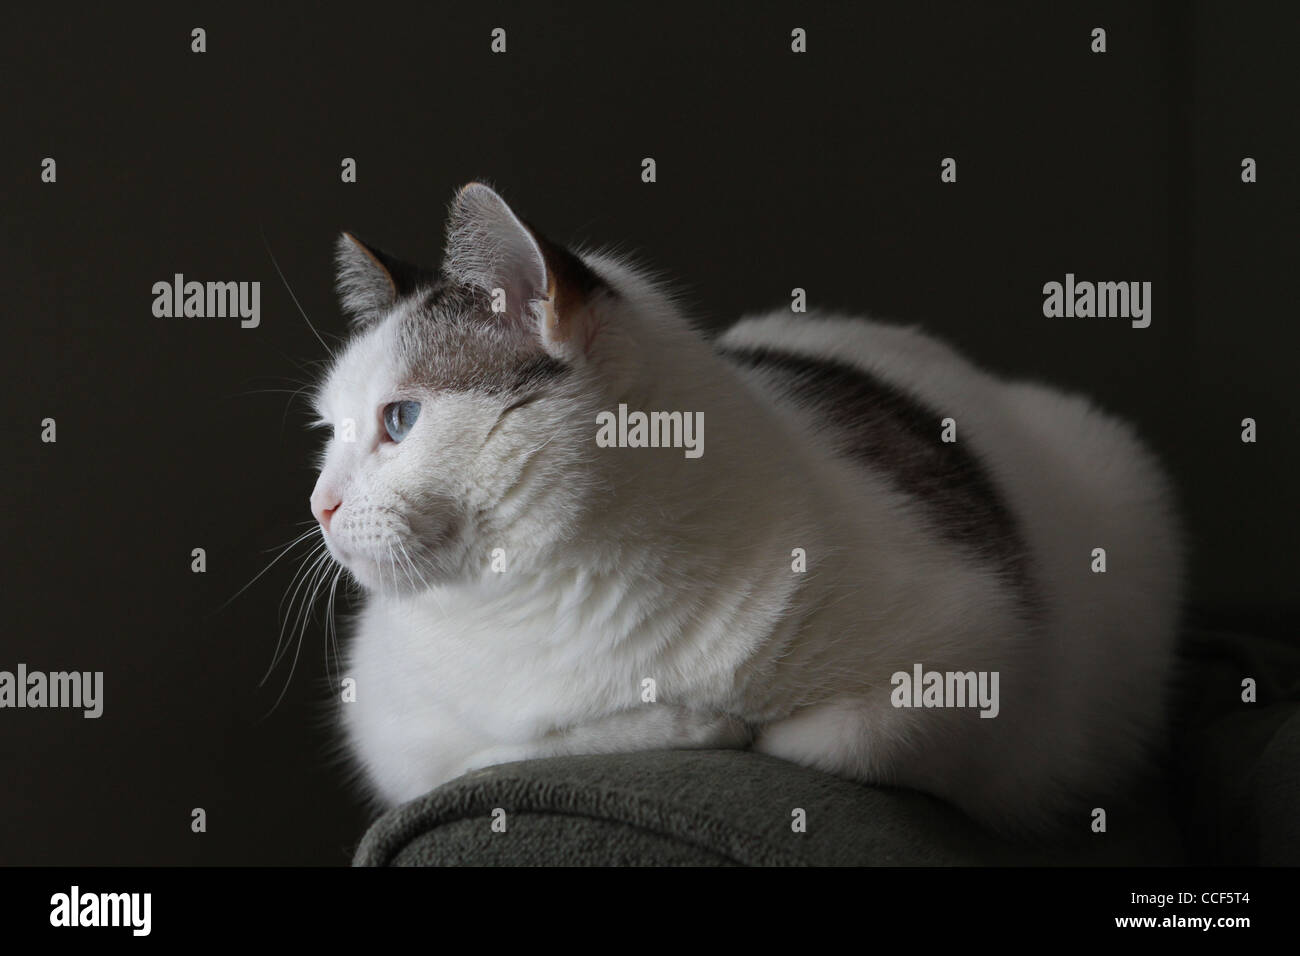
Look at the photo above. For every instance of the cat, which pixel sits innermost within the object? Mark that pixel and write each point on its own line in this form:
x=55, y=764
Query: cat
x=868, y=504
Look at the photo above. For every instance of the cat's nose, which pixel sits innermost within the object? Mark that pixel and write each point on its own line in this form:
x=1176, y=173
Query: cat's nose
x=324, y=502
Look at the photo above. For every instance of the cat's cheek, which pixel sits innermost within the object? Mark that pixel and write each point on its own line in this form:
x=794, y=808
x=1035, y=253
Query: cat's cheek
x=434, y=523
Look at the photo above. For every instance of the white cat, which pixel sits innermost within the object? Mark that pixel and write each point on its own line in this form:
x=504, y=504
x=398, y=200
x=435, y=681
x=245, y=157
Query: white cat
x=527, y=588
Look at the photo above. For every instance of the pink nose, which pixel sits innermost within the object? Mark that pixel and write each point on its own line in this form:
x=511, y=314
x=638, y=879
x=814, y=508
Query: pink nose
x=324, y=502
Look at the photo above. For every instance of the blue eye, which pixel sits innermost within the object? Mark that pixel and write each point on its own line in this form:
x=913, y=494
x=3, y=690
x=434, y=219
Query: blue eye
x=399, y=418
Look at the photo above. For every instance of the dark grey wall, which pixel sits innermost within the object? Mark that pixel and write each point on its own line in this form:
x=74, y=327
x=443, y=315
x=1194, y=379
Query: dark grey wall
x=775, y=170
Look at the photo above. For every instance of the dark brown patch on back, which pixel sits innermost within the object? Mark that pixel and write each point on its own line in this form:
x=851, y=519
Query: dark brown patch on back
x=898, y=436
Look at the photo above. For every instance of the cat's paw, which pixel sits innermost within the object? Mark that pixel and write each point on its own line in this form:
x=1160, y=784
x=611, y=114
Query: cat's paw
x=494, y=757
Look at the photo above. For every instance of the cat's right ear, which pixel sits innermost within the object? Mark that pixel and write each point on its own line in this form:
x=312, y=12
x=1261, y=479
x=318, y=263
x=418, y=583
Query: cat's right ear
x=369, y=281
x=546, y=288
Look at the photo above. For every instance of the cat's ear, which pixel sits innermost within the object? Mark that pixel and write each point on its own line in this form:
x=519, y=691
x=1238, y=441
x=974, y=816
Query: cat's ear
x=544, y=285
x=369, y=281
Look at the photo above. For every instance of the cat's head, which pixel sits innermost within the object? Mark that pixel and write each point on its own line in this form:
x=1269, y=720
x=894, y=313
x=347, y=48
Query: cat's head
x=462, y=406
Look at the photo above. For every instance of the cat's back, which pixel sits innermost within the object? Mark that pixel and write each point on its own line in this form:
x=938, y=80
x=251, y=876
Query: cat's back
x=1014, y=457
x=892, y=401
x=891, y=395
x=902, y=359
x=1061, y=500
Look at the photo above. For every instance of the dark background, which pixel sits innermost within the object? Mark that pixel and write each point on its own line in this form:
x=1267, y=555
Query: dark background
x=775, y=170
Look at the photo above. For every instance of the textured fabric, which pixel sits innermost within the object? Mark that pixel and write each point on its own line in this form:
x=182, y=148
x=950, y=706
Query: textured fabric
x=1239, y=761
x=708, y=808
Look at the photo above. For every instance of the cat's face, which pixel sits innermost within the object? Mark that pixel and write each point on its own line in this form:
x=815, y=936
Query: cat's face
x=457, y=429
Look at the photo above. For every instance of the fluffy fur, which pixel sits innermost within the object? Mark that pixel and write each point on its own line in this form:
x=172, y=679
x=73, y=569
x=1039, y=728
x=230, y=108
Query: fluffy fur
x=622, y=564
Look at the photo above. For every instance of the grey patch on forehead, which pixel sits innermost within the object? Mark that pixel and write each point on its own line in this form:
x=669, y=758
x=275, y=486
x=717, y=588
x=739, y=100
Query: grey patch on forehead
x=449, y=339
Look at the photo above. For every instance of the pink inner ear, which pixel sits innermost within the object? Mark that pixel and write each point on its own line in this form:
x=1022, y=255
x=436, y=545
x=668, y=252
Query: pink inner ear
x=490, y=247
x=570, y=287
x=554, y=327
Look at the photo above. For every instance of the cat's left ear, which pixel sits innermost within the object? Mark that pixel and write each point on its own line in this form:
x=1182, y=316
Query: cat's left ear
x=369, y=280
x=544, y=285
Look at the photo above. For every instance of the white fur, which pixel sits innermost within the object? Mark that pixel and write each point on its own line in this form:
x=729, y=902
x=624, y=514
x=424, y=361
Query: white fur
x=626, y=564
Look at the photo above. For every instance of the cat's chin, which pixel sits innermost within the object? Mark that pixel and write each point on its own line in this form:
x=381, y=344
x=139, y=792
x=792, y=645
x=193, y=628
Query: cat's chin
x=404, y=572
x=393, y=582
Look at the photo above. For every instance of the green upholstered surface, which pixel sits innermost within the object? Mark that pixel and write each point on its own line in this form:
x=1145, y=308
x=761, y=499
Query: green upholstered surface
x=709, y=807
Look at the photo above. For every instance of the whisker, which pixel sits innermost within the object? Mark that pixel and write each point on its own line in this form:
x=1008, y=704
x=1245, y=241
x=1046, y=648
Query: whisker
x=306, y=570
x=392, y=564
x=331, y=629
x=409, y=580
x=284, y=549
x=304, y=617
x=428, y=588
x=280, y=272
x=411, y=563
